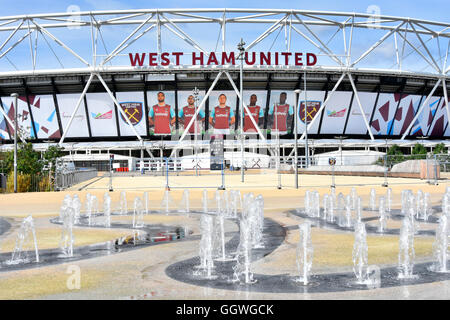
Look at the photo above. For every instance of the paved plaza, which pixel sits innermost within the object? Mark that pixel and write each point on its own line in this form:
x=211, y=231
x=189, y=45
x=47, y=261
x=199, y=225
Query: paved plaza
x=142, y=273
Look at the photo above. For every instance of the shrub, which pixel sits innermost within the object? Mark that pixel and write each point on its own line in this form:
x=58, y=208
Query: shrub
x=440, y=149
x=28, y=160
x=418, y=152
x=44, y=184
x=23, y=183
x=395, y=155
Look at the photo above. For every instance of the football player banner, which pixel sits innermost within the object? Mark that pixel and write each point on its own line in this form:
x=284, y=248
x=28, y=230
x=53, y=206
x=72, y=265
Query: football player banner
x=281, y=113
x=185, y=114
x=161, y=117
x=133, y=110
x=254, y=106
x=221, y=112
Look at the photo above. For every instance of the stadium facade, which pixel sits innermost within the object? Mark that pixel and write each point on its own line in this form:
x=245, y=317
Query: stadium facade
x=372, y=79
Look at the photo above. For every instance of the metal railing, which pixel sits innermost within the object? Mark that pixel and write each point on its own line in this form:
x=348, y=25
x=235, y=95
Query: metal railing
x=66, y=179
x=278, y=171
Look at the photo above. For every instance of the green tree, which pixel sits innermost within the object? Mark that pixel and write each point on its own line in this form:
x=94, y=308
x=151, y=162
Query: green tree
x=30, y=165
x=28, y=160
x=52, y=153
x=2, y=162
x=418, y=152
x=395, y=155
x=440, y=149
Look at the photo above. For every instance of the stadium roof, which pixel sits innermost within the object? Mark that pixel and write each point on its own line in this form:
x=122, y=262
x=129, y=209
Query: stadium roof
x=83, y=53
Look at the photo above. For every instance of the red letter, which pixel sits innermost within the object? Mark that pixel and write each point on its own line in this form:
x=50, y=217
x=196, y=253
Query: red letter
x=286, y=57
x=253, y=58
x=228, y=59
x=139, y=59
x=177, y=57
x=152, y=57
x=164, y=60
x=212, y=59
x=276, y=58
x=308, y=61
x=195, y=58
x=263, y=57
x=298, y=59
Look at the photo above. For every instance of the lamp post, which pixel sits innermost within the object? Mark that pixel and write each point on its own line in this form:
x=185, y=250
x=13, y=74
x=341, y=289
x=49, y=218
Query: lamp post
x=195, y=93
x=241, y=49
x=277, y=132
x=15, y=96
x=111, y=161
x=306, y=120
x=385, y=183
x=141, y=167
x=297, y=107
x=340, y=144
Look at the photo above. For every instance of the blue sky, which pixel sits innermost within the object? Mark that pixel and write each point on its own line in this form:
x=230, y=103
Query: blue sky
x=436, y=10
x=431, y=9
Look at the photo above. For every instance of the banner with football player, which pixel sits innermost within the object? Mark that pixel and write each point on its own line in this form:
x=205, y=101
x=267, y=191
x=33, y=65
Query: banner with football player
x=161, y=115
x=186, y=110
x=132, y=104
x=256, y=103
x=281, y=112
x=222, y=112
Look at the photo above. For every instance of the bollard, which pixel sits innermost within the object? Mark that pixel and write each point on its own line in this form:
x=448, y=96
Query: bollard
x=167, y=174
x=435, y=170
x=333, y=184
x=385, y=183
x=332, y=163
x=222, y=187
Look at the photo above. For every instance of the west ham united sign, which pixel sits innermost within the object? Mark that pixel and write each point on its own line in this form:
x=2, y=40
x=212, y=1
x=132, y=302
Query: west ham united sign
x=133, y=110
x=222, y=58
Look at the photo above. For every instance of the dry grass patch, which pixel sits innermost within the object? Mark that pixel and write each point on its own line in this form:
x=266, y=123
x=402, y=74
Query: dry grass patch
x=48, y=238
x=34, y=284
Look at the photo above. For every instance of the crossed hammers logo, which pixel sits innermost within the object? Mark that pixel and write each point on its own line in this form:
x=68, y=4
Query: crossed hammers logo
x=309, y=114
x=131, y=116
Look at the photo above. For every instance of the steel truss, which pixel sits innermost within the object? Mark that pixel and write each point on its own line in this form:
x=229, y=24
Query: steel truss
x=411, y=38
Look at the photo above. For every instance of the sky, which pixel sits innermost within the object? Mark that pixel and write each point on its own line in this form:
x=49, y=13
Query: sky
x=432, y=9
x=436, y=10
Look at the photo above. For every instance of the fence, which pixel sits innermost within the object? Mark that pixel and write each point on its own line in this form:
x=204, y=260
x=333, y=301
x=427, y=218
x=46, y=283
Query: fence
x=261, y=171
x=66, y=179
x=45, y=182
x=273, y=171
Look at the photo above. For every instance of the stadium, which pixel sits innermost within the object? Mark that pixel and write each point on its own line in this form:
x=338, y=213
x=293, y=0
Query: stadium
x=370, y=79
x=270, y=153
